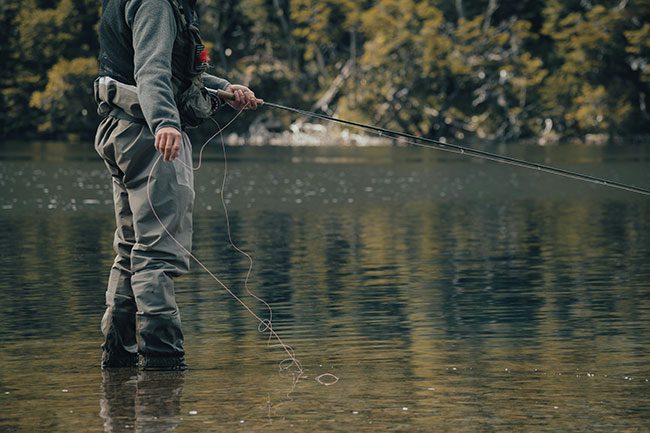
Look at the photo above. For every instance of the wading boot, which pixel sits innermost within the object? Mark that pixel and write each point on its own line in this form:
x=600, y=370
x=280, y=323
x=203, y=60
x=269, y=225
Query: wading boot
x=119, y=361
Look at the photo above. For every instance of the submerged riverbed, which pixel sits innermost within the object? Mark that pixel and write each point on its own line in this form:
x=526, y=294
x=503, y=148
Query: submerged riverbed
x=445, y=293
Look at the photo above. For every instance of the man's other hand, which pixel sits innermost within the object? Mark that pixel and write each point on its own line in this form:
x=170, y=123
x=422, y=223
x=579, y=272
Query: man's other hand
x=244, y=97
x=168, y=142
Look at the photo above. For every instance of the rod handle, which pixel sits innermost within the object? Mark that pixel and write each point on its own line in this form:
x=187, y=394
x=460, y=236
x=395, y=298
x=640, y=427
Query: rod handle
x=229, y=96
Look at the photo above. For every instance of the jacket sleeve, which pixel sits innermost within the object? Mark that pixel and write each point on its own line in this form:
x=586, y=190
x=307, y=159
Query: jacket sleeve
x=213, y=82
x=153, y=26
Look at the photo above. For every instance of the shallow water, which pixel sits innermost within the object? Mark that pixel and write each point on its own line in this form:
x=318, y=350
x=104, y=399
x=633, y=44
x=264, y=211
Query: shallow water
x=447, y=295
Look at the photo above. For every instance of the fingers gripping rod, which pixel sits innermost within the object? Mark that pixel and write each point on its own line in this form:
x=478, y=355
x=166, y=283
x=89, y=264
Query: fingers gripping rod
x=228, y=96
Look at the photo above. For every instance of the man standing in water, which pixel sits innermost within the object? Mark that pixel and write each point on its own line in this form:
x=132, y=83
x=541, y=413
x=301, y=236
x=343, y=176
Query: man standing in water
x=151, y=85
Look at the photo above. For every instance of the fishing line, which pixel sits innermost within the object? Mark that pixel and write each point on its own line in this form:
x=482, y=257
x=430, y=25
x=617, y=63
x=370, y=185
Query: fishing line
x=269, y=321
x=265, y=325
x=463, y=150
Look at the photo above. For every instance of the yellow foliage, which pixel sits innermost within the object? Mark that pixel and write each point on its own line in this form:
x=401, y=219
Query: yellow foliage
x=591, y=114
x=639, y=46
x=639, y=39
x=67, y=95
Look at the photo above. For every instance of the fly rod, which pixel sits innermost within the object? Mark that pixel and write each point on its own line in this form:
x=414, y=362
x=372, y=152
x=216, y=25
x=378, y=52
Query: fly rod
x=450, y=147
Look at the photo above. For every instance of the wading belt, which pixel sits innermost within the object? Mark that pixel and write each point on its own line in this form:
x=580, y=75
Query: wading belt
x=121, y=115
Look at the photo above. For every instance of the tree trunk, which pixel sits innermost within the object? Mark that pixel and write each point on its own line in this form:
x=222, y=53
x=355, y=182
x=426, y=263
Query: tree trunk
x=492, y=7
x=334, y=88
x=459, y=9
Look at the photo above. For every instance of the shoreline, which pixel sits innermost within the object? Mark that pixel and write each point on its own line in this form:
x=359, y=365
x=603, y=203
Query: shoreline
x=317, y=135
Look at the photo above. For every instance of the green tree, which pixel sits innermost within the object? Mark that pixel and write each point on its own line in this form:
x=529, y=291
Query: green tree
x=251, y=42
x=46, y=34
x=638, y=58
x=431, y=77
x=592, y=88
x=13, y=96
x=494, y=69
x=67, y=101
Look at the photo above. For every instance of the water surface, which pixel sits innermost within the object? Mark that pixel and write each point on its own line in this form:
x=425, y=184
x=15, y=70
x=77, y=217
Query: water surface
x=446, y=294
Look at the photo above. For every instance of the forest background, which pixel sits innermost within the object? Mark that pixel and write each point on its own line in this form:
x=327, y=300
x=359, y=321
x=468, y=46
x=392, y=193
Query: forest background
x=546, y=70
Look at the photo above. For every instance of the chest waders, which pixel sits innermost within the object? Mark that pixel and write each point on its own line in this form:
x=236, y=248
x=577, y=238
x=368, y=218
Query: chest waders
x=142, y=317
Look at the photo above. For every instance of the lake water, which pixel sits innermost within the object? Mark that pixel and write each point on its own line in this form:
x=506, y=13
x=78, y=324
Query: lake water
x=446, y=294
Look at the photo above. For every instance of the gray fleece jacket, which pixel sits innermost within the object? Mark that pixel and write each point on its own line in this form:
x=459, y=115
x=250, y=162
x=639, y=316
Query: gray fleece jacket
x=154, y=30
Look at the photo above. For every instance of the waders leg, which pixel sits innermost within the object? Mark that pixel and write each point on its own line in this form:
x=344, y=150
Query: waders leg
x=154, y=257
x=118, y=323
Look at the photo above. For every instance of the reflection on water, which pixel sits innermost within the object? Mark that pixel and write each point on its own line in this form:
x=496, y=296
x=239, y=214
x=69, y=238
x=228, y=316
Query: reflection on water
x=446, y=295
x=145, y=402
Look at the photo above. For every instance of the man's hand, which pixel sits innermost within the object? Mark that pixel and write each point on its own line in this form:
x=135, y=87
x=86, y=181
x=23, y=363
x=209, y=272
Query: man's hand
x=244, y=97
x=168, y=142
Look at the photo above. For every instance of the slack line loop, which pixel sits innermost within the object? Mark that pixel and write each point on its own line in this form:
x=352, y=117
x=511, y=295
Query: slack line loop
x=265, y=324
x=456, y=148
x=291, y=363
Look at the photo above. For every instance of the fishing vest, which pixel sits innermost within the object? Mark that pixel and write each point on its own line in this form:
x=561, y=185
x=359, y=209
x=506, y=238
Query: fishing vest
x=116, y=42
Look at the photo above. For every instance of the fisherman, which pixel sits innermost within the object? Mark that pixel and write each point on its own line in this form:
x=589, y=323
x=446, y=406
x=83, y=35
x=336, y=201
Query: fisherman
x=152, y=84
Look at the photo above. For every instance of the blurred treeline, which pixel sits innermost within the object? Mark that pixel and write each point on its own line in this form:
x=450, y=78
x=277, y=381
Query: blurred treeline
x=491, y=69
